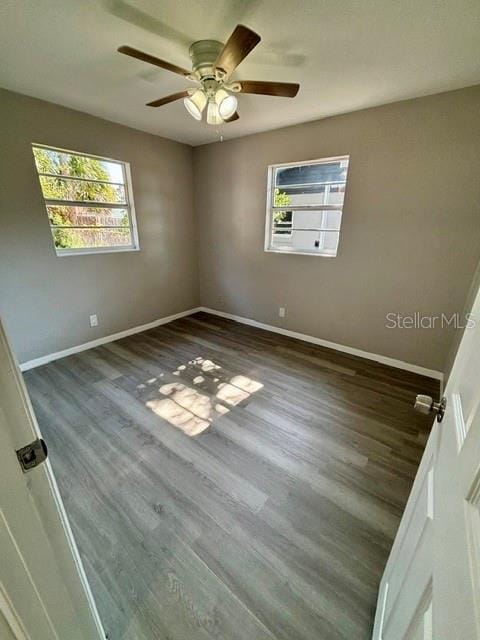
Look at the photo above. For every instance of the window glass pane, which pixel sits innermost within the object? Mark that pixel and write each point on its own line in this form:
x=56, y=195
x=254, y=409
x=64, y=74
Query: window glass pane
x=308, y=219
x=332, y=220
x=282, y=229
x=316, y=219
x=96, y=209
x=313, y=184
x=335, y=171
x=335, y=194
x=87, y=216
x=75, y=165
x=329, y=241
x=307, y=241
x=282, y=222
x=81, y=190
x=90, y=238
x=286, y=197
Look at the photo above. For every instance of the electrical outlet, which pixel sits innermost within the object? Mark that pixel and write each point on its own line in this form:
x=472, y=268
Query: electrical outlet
x=281, y=312
x=94, y=320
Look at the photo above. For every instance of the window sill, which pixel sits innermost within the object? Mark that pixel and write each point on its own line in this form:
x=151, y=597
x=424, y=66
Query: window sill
x=93, y=252
x=288, y=252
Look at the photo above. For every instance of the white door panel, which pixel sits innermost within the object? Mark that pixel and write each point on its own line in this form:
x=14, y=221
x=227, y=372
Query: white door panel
x=421, y=627
x=413, y=546
x=431, y=585
x=407, y=578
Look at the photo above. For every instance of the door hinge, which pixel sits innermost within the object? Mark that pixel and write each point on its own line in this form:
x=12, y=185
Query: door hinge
x=32, y=454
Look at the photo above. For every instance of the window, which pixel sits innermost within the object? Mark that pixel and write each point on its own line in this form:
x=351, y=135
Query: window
x=88, y=201
x=304, y=206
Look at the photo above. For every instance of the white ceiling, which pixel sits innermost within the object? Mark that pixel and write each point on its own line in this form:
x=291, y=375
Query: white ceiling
x=346, y=55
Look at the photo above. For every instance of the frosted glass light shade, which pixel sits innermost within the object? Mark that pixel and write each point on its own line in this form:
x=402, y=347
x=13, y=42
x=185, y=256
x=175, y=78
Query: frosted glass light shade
x=227, y=104
x=213, y=116
x=195, y=104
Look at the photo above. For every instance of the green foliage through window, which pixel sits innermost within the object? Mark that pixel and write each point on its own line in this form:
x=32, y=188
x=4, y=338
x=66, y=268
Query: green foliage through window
x=281, y=199
x=85, y=189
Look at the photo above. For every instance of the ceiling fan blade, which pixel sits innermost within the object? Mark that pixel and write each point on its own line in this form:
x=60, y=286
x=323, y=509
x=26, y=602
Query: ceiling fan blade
x=238, y=46
x=171, y=98
x=233, y=118
x=146, y=57
x=280, y=89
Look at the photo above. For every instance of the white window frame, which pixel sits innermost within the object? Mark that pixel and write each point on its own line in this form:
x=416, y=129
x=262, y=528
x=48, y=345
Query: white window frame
x=271, y=208
x=128, y=205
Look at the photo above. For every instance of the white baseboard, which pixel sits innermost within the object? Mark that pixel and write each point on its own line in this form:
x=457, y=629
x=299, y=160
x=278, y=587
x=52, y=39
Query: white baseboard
x=392, y=362
x=37, y=362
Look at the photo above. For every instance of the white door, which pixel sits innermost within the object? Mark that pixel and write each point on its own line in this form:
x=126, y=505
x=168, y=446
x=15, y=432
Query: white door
x=44, y=594
x=431, y=586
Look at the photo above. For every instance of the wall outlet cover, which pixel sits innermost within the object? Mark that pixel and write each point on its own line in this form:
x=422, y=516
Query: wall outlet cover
x=281, y=312
x=94, y=320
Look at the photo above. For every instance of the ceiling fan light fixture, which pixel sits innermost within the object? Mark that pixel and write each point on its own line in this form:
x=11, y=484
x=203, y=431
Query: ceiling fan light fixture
x=195, y=104
x=213, y=65
x=213, y=115
x=227, y=104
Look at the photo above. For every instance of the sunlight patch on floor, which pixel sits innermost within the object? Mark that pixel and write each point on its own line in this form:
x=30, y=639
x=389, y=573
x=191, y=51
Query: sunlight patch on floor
x=193, y=409
x=247, y=384
x=188, y=398
x=179, y=417
x=231, y=394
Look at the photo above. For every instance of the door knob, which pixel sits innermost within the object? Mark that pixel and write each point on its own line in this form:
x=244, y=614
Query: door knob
x=426, y=404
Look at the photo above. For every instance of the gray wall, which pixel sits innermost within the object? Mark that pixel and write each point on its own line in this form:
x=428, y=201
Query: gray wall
x=45, y=301
x=410, y=237
x=409, y=241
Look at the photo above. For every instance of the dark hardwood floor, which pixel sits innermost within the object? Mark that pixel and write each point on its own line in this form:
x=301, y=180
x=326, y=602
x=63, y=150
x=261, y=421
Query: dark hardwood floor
x=226, y=482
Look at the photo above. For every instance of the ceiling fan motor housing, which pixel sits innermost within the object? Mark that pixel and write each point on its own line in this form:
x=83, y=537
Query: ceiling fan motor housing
x=204, y=54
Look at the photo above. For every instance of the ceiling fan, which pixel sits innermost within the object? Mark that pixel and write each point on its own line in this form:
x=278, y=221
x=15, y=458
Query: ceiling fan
x=212, y=66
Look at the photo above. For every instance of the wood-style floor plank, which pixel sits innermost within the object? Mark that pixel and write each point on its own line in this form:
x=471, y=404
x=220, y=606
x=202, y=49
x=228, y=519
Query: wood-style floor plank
x=273, y=522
